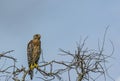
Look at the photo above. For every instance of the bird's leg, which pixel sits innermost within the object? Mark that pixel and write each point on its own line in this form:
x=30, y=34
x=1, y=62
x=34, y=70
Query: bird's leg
x=31, y=67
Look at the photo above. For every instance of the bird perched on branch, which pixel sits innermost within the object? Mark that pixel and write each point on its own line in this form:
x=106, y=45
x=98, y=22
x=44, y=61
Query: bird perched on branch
x=33, y=53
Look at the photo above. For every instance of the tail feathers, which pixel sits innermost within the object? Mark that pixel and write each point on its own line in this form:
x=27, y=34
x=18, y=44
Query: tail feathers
x=31, y=74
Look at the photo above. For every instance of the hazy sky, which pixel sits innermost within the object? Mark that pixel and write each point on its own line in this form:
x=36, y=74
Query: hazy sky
x=61, y=23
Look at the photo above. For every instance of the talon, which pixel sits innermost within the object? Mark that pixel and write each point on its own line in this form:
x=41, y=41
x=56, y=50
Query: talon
x=35, y=65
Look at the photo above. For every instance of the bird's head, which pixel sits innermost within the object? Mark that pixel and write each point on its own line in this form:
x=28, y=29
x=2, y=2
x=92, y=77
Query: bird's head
x=37, y=36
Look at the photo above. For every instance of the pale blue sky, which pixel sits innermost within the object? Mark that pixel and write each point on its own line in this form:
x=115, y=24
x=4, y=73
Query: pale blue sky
x=61, y=23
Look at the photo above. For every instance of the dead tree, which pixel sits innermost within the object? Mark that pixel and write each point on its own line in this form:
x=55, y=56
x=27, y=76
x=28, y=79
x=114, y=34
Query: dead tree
x=88, y=62
x=84, y=62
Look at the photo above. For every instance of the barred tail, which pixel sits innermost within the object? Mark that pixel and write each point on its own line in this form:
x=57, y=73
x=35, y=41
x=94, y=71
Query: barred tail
x=31, y=74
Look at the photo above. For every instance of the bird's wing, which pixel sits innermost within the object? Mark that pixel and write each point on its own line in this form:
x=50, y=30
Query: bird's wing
x=29, y=52
x=38, y=52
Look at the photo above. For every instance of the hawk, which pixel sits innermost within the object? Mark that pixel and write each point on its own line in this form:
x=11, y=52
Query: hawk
x=33, y=53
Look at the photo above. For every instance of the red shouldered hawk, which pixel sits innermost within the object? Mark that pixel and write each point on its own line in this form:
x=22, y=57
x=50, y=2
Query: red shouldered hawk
x=33, y=53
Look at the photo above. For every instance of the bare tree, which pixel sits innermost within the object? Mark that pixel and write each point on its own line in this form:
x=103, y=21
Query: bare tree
x=84, y=62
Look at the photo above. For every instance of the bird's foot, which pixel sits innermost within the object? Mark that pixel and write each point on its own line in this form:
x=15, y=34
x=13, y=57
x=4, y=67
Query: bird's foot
x=35, y=65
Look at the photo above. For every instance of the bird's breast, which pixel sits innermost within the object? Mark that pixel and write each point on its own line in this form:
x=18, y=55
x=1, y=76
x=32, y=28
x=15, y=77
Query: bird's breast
x=36, y=42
